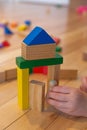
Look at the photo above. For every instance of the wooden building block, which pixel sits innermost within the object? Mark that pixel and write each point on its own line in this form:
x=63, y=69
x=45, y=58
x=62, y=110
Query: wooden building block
x=37, y=95
x=53, y=74
x=68, y=74
x=22, y=63
x=22, y=27
x=73, y=129
x=11, y=74
x=38, y=51
x=85, y=55
x=23, y=88
x=38, y=36
x=2, y=76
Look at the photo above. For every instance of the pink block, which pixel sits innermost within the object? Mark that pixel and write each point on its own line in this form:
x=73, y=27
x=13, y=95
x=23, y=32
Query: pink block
x=81, y=9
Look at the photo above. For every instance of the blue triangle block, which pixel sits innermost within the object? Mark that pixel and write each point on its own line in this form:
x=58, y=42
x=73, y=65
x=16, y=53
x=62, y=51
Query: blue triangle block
x=7, y=31
x=38, y=36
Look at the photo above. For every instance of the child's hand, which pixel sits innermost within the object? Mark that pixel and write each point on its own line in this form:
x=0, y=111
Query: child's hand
x=84, y=84
x=68, y=100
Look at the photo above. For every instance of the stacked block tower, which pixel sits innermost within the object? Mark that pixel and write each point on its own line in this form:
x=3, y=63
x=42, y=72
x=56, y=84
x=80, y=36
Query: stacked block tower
x=38, y=49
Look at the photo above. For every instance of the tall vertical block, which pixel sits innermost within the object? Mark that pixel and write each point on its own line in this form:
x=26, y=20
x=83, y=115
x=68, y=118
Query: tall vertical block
x=37, y=95
x=23, y=88
x=53, y=74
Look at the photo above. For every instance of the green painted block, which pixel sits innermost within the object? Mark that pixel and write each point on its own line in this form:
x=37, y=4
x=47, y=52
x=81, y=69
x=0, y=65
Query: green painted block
x=30, y=70
x=58, y=49
x=22, y=63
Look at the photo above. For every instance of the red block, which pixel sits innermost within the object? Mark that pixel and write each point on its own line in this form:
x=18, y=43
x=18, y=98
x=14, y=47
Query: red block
x=41, y=69
x=45, y=70
x=5, y=43
x=56, y=39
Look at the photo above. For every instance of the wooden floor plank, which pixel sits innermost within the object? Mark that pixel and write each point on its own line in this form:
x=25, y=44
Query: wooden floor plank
x=9, y=112
x=33, y=121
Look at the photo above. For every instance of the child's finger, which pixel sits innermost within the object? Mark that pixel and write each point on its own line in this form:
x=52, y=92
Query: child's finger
x=62, y=89
x=84, y=82
x=58, y=96
x=57, y=103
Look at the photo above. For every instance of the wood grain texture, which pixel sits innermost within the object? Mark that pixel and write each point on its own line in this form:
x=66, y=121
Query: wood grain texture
x=37, y=95
x=2, y=76
x=11, y=74
x=68, y=74
x=38, y=51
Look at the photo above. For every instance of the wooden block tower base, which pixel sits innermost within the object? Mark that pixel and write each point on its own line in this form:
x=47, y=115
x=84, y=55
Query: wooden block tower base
x=37, y=95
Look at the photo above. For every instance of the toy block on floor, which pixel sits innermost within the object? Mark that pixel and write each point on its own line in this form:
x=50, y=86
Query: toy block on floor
x=58, y=49
x=85, y=55
x=11, y=74
x=68, y=74
x=27, y=22
x=37, y=95
x=73, y=129
x=7, y=31
x=1, y=45
x=13, y=24
x=38, y=36
x=2, y=76
x=38, y=51
x=22, y=63
x=53, y=74
x=22, y=27
x=5, y=43
x=38, y=45
x=23, y=88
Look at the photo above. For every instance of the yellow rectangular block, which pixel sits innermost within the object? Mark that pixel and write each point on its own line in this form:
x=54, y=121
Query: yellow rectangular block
x=38, y=51
x=23, y=88
x=37, y=95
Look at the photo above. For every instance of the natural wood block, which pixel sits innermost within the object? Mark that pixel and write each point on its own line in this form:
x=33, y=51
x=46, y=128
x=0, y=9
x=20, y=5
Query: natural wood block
x=73, y=129
x=38, y=51
x=68, y=74
x=85, y=55
x=53, y=74
x=11, y=74
x=37, y=95
x=2, y=76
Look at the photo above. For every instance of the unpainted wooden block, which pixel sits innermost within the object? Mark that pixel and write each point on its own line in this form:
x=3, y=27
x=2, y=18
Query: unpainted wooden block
x=2, y=76
x=53, y=74
x=38, y=51
x=37, y=95
x=85, y=55
x=11, y=74
x=68, y=74
x=73, y=129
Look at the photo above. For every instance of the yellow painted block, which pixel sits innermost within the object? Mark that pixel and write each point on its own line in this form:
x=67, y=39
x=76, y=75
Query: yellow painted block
x=22, y=27
x=23, y=88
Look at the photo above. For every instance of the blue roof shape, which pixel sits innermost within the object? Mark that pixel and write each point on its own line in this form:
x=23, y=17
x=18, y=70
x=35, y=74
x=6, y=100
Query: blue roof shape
x=38, y=36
